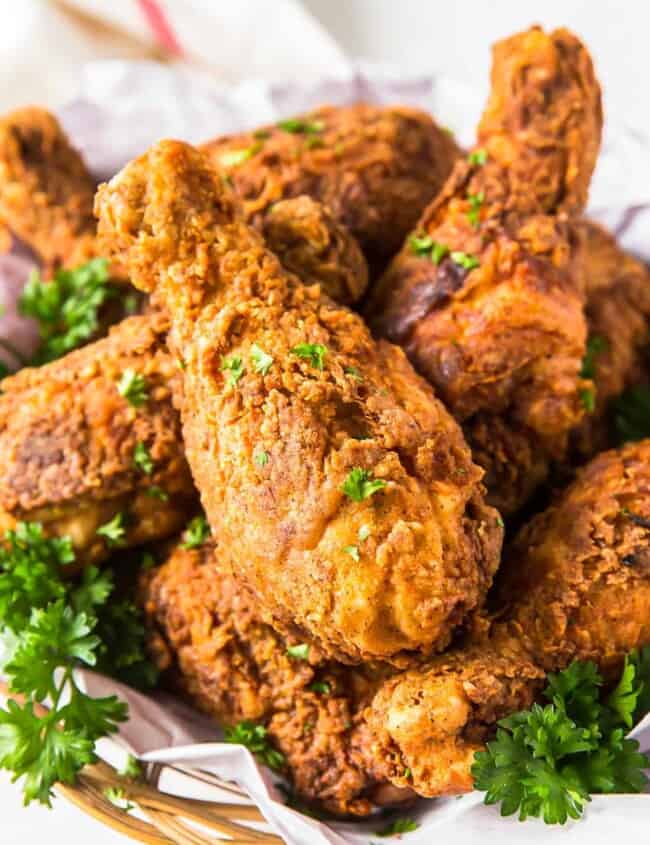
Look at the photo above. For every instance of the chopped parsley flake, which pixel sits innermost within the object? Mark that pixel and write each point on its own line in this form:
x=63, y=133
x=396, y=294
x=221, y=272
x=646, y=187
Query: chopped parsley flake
x=299, y=652
x=313, y=352
x=360, y=484
x=474, y=213
x=133, y=387
x=114, y=530
x=478, y=157
x=117, y=796
x=262, y=362
x=261, y=458
x=231, y=158
x=196, y=533
x=588, y=399
x=234, y=366
x=353, y=372
x=426, y=246
x=301, y=127
x=142, y=459
x=155, y=492
x=320, y=687
x=131, y=769
x=467, y=262
x=398, y=826
x=596, y=345
x=364, y=533
x=353, y=551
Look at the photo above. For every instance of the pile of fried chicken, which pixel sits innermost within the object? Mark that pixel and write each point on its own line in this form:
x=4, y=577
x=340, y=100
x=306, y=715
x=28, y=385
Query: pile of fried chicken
x=364, y=351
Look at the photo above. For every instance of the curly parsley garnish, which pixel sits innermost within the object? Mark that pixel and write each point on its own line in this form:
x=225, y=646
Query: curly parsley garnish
x=545, y=762
x=631, y=414
x=142, y=459
x=313, y=352
x=301, y=127
x=478, y=157
x=67, y=307
x=255, y=738
x=50, y=625
x=133, y=387
x=360, y=484
x=196, y=533
x=234, y=366
x=262, y=362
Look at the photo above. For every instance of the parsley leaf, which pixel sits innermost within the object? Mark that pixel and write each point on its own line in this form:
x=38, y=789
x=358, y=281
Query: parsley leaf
x=478, y=157
x=234, y=366
x=142, y=459
x=545, y=762
x=588, y=399
x=398, y=826
x=320, y=687
x=117, y=796
x=262, y=362
x=254, y=737
x=156, y=492
x=67, y=307
x=632, y=414
x=231, y=158
x=196, y=533
x=113, y=530
x=596, y=345
x=261, y=458
x=131, y=769
x=298, y=652
x=353, y=372
x=298, y=126
x=133, y=387
x=360, y=484
x=313, y=352
x=426, y=246
x=353, y=551
x=467, y=262
x=474, y=213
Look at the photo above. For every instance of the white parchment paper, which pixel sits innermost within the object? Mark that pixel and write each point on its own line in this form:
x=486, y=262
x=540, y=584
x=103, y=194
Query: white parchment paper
x=123, y=107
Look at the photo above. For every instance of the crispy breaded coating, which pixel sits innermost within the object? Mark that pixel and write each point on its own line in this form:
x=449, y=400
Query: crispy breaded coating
x=46, y=191
x=340, y=486
x=482, y=297
x=617, y=308
x=374, y=167
x=310, y=242
x=207, y=633
x=68, y=440
x=575, y=584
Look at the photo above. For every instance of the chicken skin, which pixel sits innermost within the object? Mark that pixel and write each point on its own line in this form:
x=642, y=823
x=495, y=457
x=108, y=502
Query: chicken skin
x=617, y=307
x=206, y=633
x=339, y=486
x=375, y=168
x=70, y=440
x=482, y=296
x=47, y=194
x=575, y=584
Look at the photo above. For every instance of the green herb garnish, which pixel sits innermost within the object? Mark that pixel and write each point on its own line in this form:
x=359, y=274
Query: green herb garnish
x=133, y=387
x=114, y=530
x=196, y=533
x=467, y=262
x=67, y=307
x=478, y=157
x=360, y=484
x=301, y=127
x=131, y=769
x=255, y=738
x=320, y=687
x=545, y=762
x=261, y=458
x=588, y=399
x=155, y=492
x=312, y=352
x=353, y=551
x=397, y=827
x=425, y=246
x=231, y=158
x=474, y=213
x=595, y=346
x=353, y=372
x=142, y=459
x=234, y=366
x=298, y=652
x=261, y=360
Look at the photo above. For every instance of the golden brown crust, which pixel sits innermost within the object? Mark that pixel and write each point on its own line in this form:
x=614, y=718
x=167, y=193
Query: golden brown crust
x=310, y=242
x=207, y=633
x=576, y=581
x=67, y=441
x=374, y=168
x=508, y=336
x=433, y=544
x=46, y=192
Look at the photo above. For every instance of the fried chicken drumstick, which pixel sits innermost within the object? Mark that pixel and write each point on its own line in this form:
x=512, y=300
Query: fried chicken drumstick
x=340, y=487
x=575, y=584
x=69, y=439
x=375, y=168
x=482, y=296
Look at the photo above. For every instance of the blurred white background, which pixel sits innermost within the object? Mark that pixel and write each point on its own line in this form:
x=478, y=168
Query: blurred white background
x=43, y=46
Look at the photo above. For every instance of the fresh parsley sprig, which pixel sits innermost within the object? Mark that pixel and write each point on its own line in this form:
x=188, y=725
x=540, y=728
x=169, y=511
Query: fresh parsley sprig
x=48, y=626
x=547, y=761
x=255, y=737
x=66, y=307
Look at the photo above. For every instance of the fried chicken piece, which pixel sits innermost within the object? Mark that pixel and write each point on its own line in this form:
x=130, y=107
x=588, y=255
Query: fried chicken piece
x=310, y=242
x=46, y=191
x=575, y=584
x=301, y=431
x=68, y=442
x=375, y=168
x=206, y=632
x=482, y=296
x=46, y=198
x=618, y=316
